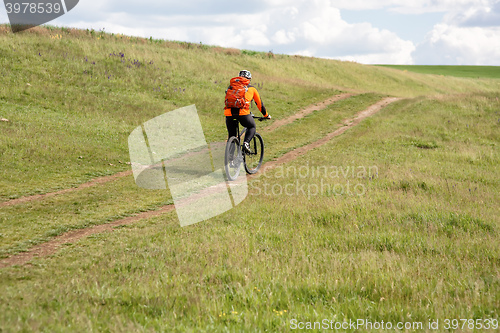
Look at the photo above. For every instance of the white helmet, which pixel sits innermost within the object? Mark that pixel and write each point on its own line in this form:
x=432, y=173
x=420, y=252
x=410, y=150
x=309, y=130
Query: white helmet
x=245, y=73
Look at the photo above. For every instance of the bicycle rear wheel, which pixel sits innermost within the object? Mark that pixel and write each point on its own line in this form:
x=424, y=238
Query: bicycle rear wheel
x=233, y=158
x=253, y=161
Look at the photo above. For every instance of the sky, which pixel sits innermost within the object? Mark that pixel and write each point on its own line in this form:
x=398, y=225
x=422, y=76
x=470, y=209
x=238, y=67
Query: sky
x=413, y=32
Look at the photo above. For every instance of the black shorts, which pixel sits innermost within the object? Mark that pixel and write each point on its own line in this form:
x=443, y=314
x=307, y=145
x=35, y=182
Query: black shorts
x=245, y=121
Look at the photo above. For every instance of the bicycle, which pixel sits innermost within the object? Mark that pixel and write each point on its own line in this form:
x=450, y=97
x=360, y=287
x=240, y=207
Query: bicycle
x=235, y=155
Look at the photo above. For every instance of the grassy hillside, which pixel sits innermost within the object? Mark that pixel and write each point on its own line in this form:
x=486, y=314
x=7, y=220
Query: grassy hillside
x=76, y=95
x=413, y=238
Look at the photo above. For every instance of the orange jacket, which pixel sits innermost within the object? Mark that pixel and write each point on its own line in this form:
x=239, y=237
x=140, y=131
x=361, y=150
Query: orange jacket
x=251, y=94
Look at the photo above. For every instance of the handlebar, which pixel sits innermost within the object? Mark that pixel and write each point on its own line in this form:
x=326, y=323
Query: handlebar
x=260, y=118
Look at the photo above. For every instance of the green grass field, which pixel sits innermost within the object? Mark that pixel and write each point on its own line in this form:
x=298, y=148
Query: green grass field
x=396, y=220
x=484, y=72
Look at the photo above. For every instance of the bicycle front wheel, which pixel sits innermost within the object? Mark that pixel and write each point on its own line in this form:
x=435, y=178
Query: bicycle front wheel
x=233, y=158
x=253, y=160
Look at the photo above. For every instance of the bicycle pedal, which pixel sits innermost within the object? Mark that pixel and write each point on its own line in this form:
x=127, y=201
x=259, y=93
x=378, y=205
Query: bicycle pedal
x=246, y=148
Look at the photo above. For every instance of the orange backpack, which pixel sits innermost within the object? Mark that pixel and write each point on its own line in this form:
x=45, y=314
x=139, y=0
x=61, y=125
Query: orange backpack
x=235, y=94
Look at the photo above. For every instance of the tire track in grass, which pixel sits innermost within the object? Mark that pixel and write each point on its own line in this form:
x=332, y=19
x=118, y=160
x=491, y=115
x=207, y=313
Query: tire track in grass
x=51, y=247
x=308, y=110
x=346, y=124
x=102, y=180
x=93, y=182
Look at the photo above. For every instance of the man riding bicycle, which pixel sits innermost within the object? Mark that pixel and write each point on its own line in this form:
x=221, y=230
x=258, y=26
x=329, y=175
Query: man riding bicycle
x=239, y=95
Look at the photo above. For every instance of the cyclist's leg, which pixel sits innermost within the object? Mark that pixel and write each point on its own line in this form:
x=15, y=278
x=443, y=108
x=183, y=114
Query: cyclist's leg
x=232, y=126
x=232, y=130
x=248, y=122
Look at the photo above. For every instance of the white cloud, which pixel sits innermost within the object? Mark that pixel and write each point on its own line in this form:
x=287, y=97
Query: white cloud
x=486, y=15
x=453, y=45
x=255, y=37
x=469, y=36
x=316, y=28
x=283, y=37
x=409, y=6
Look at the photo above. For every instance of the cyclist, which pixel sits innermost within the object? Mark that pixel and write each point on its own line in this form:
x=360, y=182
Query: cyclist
x=235, y=111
